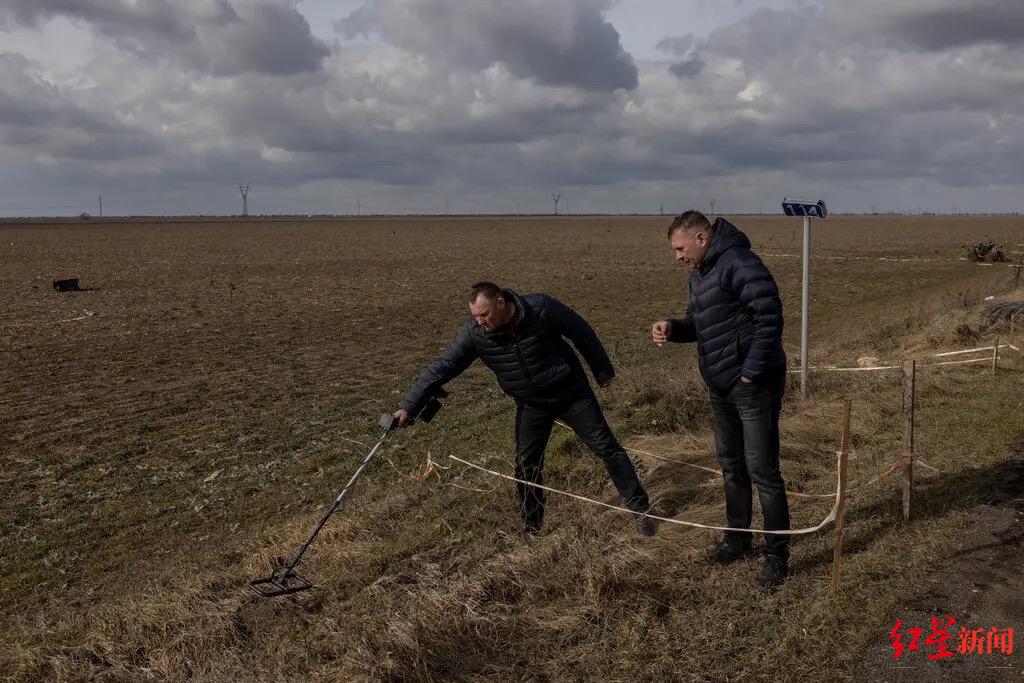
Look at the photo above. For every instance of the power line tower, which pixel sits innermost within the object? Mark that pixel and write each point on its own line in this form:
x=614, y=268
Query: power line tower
x=100, y=198
x=556, y=196
x=244, y=189
x=712, y=202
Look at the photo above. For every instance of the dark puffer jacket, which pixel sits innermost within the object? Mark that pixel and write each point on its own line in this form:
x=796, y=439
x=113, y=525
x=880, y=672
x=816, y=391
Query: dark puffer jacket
x=735, y=314
x=534, y=364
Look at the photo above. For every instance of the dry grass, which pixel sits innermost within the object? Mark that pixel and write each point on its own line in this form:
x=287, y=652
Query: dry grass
x=121, y=562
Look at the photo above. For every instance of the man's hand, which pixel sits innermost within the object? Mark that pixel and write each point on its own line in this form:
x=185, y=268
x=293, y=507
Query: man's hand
x=402, y=417
x=660, y=332
x=745, y=380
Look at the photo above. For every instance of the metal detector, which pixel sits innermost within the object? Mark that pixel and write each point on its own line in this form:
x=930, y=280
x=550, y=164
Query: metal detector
x=285, y=580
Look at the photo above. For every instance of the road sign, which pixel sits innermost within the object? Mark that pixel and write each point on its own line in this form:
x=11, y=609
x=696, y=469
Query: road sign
x=806, y=210
x=802, y=207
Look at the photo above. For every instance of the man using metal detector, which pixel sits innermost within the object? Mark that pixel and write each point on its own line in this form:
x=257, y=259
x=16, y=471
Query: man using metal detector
x=522, y=339
x=735, y=316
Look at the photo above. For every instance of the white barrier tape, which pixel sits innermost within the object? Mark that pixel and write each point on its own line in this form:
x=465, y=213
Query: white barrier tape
x=674, y=461
x=858, y=369
x=795, y=494
x=959, y=362
x=922, y=463
x=830, y=517
x=891, y=259
x=431, y=468
x=980, y=348
x=897, y=367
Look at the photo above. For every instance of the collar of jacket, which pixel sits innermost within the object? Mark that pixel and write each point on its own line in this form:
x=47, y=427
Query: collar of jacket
x=725, y=236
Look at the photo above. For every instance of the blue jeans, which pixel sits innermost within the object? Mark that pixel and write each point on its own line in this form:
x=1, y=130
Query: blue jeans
x=747, y=448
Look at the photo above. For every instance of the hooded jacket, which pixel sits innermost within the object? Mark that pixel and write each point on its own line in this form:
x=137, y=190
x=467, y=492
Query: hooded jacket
x=534, y=363
x=735, y=314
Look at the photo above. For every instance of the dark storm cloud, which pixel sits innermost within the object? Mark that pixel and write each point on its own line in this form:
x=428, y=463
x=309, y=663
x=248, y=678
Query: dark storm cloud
x=216, y=36
x=37, y=115
x=117, y=17
x=691, y=64
x=939, y=24
x=479, y=97
x=688, y=68
x=841, y=103
x=563, y=43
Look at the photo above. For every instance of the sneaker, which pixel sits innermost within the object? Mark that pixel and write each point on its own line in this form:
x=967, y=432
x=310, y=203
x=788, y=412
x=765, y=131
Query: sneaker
x=727, y=552
x=773, y=573
x=644, y=526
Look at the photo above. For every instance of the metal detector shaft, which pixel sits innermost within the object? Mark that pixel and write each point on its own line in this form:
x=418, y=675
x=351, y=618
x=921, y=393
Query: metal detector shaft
x=337, y=502
x=284, y=580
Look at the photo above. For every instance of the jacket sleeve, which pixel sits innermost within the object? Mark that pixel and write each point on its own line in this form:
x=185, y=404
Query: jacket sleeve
x=456, y=358
x=757, y=292
x=683, y=329
x=572, y=325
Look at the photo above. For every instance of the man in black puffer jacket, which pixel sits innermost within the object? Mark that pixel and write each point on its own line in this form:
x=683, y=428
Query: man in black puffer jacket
x=521, y=338
x=735, y=316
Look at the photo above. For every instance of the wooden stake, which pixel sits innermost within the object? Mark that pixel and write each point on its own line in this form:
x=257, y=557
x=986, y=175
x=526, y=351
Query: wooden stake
x=995, y=355
x=844, y=449
x=909, y=380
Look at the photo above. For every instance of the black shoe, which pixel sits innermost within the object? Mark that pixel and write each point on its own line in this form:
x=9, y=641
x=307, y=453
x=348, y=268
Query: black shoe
x=644, y=526
x=727, y=552
x=773, y=573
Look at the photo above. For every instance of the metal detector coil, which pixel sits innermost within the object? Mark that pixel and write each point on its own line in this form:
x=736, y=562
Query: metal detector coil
x=285, y=580
x=280, y=583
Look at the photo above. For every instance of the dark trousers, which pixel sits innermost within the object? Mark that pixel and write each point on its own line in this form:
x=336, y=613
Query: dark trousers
x=747, y=447
x=583, y=414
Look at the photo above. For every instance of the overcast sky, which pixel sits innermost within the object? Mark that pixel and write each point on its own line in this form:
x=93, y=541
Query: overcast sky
x=165, y=106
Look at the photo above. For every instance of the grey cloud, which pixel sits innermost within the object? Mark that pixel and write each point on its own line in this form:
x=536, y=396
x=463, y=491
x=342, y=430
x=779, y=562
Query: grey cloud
x=840, y=103
x=452, y=101
x=130, y=21
x=938, y=24
x=678, y=46
x=213, y=36
x=35, y=114
x=561, y=43
x=682, y=46
x=688, y=68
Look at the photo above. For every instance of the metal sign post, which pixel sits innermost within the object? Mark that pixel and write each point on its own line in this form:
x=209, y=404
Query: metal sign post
x=806, y=210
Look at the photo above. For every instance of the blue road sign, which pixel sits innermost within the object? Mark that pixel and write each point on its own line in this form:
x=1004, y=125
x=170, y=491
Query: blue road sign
x=801, y=207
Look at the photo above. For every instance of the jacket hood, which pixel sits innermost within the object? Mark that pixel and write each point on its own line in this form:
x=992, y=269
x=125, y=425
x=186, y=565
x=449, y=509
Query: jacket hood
x=726, y=236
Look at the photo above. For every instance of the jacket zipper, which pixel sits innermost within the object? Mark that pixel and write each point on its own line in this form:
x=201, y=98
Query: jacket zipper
x=522, y=361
